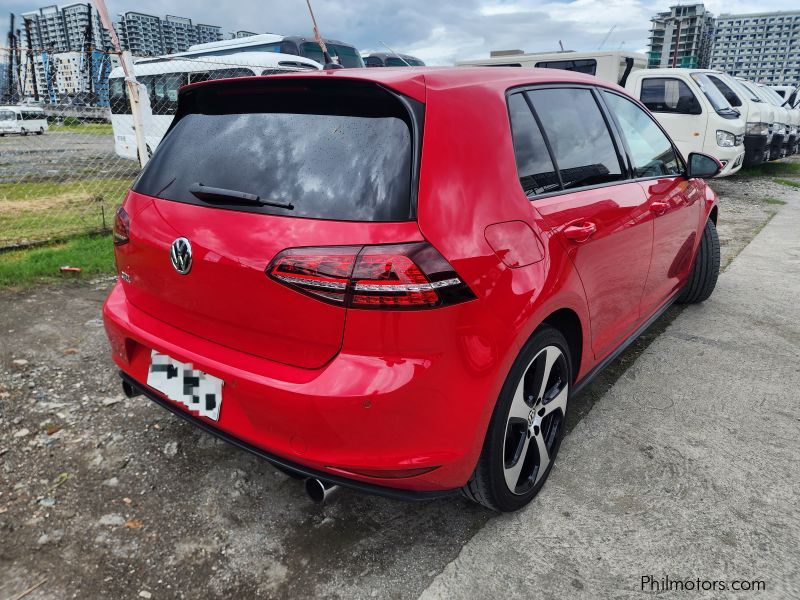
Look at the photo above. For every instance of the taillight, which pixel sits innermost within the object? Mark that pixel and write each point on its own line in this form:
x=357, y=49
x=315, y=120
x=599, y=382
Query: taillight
x=122, y=227
x=401, y=276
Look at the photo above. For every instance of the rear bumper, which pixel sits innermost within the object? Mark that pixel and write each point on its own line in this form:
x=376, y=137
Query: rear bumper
x=397, y=494
x=373, y=413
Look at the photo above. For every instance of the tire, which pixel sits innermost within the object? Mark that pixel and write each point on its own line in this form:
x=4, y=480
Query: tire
x=522, y=413
x=23, y=132
x=41, y=131
x=703, y=278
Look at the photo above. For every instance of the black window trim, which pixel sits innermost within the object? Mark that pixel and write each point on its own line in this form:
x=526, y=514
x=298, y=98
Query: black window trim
x=671, y=78
x=614, y=128
x=623, y=163
x=629, y=154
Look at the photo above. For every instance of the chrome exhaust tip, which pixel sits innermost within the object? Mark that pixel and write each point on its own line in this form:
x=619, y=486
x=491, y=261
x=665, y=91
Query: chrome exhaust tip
x=318, y=490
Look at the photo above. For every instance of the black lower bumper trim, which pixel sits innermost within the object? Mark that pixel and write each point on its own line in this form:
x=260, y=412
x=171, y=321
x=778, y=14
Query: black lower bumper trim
x=755, y=149
x=394, y=493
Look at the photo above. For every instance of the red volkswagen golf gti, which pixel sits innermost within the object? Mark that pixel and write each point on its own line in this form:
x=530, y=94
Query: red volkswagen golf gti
x=396, y=280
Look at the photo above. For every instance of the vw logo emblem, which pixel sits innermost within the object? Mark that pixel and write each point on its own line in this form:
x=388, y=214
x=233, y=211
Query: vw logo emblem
x=181, y=255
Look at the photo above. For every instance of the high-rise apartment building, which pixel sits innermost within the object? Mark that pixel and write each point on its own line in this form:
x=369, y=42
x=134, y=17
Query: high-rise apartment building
x=63, y=28
x=681, y=37
x=762, y=46
x=178, y=33
x=208, y=33
x=149, y=35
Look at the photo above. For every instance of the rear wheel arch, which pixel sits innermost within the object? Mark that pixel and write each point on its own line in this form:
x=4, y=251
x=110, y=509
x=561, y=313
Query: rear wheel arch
x=568, y=323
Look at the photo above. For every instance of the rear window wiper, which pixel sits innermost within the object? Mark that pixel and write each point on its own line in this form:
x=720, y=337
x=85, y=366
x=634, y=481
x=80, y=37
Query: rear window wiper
x=211, y=194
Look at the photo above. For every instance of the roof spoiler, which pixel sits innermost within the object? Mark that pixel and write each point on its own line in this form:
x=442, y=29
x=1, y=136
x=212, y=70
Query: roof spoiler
x=628, y=68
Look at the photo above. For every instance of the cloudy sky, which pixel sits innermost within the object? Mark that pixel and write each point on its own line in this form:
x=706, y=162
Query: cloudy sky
x=438, y=31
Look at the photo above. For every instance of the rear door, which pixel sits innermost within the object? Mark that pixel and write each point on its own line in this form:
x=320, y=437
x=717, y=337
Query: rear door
x=674, y=202
x=601, y=218
x=331, y=163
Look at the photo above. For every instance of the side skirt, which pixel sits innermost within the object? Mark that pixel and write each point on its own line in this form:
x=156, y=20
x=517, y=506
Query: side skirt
x=587, y=379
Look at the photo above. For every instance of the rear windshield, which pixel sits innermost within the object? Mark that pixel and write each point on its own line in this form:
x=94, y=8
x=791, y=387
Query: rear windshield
x=332, y=149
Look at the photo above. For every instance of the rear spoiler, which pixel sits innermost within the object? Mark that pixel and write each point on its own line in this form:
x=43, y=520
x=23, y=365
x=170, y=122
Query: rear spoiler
x=628, y=68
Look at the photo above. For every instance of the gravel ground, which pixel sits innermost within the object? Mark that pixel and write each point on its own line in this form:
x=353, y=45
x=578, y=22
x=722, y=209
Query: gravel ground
x=105, y=496
x=61, y=155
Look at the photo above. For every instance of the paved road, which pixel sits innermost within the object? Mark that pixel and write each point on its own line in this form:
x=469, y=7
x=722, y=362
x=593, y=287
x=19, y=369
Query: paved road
x=686, y=468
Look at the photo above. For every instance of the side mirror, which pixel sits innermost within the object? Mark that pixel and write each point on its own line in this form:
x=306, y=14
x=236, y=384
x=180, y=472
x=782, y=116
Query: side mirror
x=703, y=166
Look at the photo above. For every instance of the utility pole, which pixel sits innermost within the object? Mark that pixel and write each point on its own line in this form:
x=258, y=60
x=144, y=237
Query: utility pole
x=31, y=60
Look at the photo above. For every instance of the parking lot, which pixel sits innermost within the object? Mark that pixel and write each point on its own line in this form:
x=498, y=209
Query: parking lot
x=680, y=462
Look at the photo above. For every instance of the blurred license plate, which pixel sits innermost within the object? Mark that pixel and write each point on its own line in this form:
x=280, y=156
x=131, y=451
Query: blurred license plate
x=200, y=392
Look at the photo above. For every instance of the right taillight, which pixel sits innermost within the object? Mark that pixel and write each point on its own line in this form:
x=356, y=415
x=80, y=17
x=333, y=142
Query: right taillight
x=399, y=276
x=122, y=227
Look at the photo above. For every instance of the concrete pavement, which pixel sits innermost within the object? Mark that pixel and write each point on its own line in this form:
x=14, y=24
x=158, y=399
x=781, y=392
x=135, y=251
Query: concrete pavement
x=687, y=468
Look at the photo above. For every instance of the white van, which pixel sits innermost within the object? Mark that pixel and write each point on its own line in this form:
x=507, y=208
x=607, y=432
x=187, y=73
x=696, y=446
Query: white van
x=782, y=126
x=22, y=120
x=613, y=66
x=694, y=112
x=792, y=120
x=790, y=93
x=759, y=116
x=160, y=79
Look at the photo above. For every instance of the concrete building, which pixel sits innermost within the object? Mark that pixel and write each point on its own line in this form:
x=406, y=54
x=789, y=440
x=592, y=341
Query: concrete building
x=681, y=37
x=140, y=33
x=178, y=34
x=63, y=28
x=208, y=33
x=761, y=46
x=149, y=35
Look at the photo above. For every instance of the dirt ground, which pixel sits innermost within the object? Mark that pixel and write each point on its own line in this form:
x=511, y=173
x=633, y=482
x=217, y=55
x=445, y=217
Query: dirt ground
x=103, y=496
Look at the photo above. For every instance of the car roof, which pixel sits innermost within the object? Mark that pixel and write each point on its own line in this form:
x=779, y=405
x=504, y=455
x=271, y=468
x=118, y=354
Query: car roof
x=416, y=81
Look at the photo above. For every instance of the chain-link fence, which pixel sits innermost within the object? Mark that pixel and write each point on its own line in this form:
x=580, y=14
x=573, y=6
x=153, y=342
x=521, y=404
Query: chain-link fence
x=68, y=147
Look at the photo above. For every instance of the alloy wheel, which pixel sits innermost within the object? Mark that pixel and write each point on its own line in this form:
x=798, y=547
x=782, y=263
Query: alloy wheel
x=535, y=420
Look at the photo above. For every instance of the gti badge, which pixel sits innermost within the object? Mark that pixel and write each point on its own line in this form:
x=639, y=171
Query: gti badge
x=181, y=255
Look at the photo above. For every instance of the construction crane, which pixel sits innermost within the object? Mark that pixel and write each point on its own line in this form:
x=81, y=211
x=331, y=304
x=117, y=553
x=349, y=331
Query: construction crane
x=608, y=35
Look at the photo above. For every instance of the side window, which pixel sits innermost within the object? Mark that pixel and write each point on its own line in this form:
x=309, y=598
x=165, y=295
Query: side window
x=579, y=137
x=588, y=66
x=535, y=168
x=373, y=61
x=668, y=95
x=651, y=151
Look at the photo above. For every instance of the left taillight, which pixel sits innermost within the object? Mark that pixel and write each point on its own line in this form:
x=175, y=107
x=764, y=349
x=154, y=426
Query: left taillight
x=400, y=276
x=122, y=227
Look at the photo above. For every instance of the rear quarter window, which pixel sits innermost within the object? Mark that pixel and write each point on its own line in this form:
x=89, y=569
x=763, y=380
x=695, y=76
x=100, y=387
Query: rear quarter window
x=333, y=150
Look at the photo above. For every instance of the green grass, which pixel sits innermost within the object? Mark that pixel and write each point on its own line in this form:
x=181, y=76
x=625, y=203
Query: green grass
x=771, y=200
x=42, y=210
x=23, y=268
x=790, y=182
x=87, y=128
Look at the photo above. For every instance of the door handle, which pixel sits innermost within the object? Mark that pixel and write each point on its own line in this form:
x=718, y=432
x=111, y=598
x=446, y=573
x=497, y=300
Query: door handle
x=581, y=232
x=659, y=207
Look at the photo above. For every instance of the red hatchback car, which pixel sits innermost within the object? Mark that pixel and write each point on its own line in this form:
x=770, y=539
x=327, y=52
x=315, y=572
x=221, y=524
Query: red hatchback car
x=395, y=279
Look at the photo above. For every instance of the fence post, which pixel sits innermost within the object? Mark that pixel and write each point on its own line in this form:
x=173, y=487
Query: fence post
x=136, y=106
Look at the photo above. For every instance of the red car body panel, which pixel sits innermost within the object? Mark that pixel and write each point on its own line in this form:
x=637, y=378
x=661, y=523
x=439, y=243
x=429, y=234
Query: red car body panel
x=335, y=389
